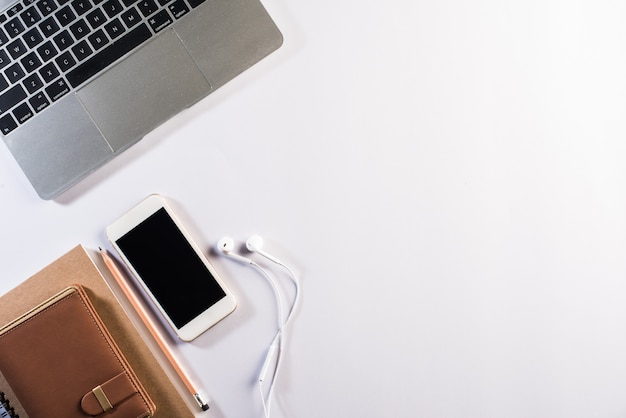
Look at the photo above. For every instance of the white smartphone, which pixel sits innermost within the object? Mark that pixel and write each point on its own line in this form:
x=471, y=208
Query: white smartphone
x=171, y=268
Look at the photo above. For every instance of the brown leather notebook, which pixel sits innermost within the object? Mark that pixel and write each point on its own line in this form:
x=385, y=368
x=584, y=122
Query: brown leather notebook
x=80, y=266
x=61, y=362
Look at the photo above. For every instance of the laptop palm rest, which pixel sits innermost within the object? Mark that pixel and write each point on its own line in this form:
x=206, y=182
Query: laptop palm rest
x=144, y=90
x=55, y=138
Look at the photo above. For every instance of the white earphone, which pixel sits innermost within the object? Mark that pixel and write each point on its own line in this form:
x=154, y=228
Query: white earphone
x=254, y=244
x=226, y=246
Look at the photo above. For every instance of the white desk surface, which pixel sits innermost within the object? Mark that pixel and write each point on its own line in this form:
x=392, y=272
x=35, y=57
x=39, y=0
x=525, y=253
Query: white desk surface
x=449, y=181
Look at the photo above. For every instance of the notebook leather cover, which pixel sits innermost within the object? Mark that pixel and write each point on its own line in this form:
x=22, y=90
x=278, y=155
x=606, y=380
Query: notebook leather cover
x=78, y=266
x=61, y=362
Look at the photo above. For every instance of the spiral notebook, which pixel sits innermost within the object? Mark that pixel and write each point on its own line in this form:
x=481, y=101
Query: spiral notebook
x=6, y=410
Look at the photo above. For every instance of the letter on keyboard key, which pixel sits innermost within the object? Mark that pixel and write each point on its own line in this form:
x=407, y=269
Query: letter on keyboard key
x=11, y=97
x=114, y=28
x=81, y=6
x=131, y=17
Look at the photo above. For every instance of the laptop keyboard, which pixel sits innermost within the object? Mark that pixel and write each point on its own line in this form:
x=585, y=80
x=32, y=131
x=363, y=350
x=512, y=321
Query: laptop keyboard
x=48, y=48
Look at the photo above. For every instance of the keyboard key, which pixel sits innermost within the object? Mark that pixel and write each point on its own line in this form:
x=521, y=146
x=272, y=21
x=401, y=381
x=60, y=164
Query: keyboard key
x=3, y=38
x=4, y=59
x=14, y=73
x=31, y=62
x=14, y=27
x=33, y=38
x=96, y=18
x=47, y=51
x=3, y=83
x=57, y=90
x=108, y=55
x=65, y=16
x=39, y=102
x=147, y=7
x=33, y=83
x=16, y=48
x=30, y=16
x=49, y=72
x=15, y=10
x=65, y=61
x=178, y=9
x=49, y=27
x=98, y=39
x=160, y=21
x=112, y=8
x=63, y=40
x=22, y=113
x=114, y=28
x=46, y=7
x=79, y=29
x=131, y=17
x=81, y=6
x=7, y=124
x=82, y=50
x=11, y=97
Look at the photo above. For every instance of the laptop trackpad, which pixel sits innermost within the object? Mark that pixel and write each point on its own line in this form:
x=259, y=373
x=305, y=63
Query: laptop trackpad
x=146, y=89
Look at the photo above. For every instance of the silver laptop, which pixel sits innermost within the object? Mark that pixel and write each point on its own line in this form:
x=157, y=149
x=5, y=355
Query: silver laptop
x=82, y=80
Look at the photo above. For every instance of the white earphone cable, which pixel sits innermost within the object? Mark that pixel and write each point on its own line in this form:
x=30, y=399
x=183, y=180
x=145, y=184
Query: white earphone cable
x=275, y=345
x=280, y=334
x=225, y=246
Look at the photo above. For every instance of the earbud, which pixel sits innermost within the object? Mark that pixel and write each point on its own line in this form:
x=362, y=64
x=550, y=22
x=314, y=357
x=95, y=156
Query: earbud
x=255, y=245
x=226, y=246
x=254, y=242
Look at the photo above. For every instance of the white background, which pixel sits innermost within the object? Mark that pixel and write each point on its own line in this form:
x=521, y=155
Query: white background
x=446, y=177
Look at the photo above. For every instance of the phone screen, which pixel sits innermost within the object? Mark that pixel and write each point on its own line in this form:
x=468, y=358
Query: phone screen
x=170, y=268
